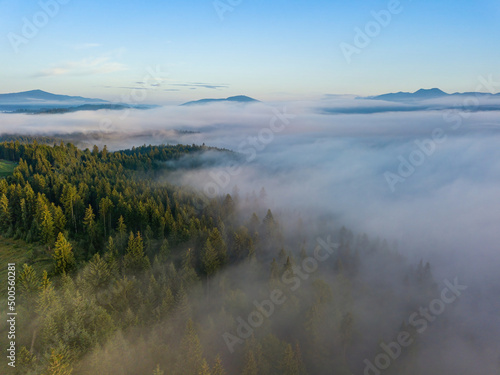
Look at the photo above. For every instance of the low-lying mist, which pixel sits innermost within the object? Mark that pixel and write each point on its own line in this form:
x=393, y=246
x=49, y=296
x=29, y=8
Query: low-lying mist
x=427, y=180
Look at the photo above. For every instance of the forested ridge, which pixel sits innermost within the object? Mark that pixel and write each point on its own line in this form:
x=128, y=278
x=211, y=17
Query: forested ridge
x=147, y=277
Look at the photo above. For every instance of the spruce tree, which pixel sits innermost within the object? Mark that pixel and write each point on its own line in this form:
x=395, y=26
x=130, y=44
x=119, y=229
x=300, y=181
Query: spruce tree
x=218, y=368
x=63, y=255
x=47, y=228
x=135, y=260
x=28, y=282
x=250, y=365
x=5, y=214
x=210, y=262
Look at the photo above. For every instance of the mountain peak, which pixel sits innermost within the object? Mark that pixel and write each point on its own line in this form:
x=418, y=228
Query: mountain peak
x=237, y=99
x=430, y=91
x=421, y=94
x=38, y=96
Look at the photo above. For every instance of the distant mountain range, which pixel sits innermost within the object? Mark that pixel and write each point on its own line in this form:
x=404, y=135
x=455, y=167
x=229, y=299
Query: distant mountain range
x=42, y=102
x=39, y=96
x=421, y=100
x=424, y=94
x=237, y=99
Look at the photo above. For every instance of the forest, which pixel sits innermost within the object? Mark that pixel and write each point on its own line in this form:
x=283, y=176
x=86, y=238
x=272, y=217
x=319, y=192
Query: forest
x=120, y=271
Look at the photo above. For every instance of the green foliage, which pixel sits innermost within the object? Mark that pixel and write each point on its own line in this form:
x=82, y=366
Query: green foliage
x=158, y=371
x=5, y=214
x=63, y=255
x=191, y=361
x=28, y=282
x=218, y=368
x=99, y=305
x=210, y=258
x=59, y=362
x=135, y=260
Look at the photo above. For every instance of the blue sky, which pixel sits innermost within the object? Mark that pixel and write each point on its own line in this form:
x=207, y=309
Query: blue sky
x=266, y=49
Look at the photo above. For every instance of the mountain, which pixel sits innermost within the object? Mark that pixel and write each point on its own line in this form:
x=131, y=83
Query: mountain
x=424, y=94
x=42, y=102
x=237, y=99
x=39, y=97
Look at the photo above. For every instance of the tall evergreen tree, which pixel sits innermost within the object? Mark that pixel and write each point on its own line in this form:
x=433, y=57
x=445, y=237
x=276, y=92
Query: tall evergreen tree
x=47, y=227
x=211, y=262
x=135, y=260
x=5, y=214
x=218, y=368
x=63, y=255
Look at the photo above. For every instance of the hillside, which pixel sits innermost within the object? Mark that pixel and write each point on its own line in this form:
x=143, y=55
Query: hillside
x=231, y=99
x=115, y=263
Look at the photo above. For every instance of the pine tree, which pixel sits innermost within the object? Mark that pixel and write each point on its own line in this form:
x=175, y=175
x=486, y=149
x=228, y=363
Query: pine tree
x=90, y=225
x=59, y=218
x=105, y=206
x=250, y=366
x=275, y=273
x=158, y=371
x=47, y=297
x=269, y=222
x=205, y=368
x=291, y=363
x=135, y=260
x=59, y=362
x=228, y=206
x=191, y=350
x=219, y=245
x=28, y=282
x=210, y=262
x=25, y=361
x=253, y=224
x=5, y=214
x=282, y=256
x=189, y=275
x=183, y=307
x=47, y=227
x=287, y=267
x=122, y=230
x=88, y=220
x=111, y=247
x=164, y=251
x=69, y=198
x=167, y=303
x=218, y=368
x=63, y=255
x=96, y=275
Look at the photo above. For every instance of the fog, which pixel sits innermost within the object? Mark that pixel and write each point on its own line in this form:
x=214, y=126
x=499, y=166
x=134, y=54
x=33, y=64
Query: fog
x=426, y=178
x=321, y=163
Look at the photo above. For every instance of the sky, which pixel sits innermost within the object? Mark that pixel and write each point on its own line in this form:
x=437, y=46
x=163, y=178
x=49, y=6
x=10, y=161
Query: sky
x=173, y=51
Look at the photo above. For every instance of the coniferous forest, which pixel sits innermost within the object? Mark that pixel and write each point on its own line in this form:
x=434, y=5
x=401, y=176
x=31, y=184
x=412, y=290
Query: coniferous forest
x=122, y=272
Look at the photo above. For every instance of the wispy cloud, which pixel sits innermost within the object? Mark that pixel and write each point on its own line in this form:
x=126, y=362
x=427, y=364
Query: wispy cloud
x=88, y=66
x=140, y=86
x=194, y=85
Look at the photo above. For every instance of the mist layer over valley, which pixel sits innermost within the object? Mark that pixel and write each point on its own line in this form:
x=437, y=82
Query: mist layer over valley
x=405, y=202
